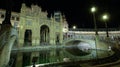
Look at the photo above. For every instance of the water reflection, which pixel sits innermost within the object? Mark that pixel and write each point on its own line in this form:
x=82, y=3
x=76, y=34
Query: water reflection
x=26, y=59
x=79, y=48
x=44, y=57
x=53, y=55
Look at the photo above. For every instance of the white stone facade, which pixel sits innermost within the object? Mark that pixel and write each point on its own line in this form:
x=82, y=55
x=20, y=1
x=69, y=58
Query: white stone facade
x=42, y=28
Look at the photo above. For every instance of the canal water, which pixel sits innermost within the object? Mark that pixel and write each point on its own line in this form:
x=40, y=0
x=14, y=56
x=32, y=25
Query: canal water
x=54, y=55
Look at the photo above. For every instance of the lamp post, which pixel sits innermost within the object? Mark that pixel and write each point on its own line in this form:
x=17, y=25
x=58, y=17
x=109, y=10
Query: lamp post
x=93, y=10
x=105, y=18
x=74, y=27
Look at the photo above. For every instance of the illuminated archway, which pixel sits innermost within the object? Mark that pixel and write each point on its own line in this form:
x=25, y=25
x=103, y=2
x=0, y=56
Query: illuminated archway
x=28, y=38
x=44, y=34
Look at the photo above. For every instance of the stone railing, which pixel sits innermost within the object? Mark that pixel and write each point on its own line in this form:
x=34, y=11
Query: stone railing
x=3, y=39
x=100, y=29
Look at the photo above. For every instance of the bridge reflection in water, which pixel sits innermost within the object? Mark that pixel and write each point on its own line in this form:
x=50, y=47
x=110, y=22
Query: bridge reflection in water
x=73, y=51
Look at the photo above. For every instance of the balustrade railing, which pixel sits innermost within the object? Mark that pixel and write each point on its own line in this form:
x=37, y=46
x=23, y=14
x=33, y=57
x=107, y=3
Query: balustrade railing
x=100, y=29
x=3, y=39
x=5, y=36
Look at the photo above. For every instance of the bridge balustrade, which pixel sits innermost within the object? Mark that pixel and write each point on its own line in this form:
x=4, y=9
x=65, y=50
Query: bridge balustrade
x=78, y=37
x=100, y=29
x=5, y=36
x=75, y=35
x=3, y=39
x=7, y=41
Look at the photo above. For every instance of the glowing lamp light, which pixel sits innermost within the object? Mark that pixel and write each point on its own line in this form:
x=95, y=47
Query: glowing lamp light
x=74, y=27
x=93, y=9
x=105, y=17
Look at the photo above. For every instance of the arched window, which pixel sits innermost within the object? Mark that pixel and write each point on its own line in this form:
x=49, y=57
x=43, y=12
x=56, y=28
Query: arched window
x=13, y=18
x=2, y=16
x=17, y=18
x=28, y=38
x=44, y=34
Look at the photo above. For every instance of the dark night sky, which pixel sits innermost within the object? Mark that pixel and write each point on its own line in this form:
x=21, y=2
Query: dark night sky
x=77, y=12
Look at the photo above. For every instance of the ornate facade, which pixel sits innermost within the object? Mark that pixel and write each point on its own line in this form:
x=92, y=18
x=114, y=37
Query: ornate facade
x=35, y=27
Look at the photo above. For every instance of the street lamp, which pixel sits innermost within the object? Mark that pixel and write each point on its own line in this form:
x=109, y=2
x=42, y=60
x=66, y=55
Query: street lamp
x=105, y=18
x=93, y=10
x=74, y=27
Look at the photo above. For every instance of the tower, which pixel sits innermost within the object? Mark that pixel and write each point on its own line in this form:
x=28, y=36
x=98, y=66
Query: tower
x=59, y=27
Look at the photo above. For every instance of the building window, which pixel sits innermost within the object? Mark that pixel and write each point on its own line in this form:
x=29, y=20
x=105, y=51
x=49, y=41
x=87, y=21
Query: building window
x=2, y=16
x=13, y=18
x=17, y=18
x=57, y=19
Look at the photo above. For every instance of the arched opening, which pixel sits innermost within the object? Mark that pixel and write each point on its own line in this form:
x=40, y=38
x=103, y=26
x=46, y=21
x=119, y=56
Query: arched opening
x=44, y=35
x=27, y=42
x=44, y=40
x=28, y=38
x=78, y=48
